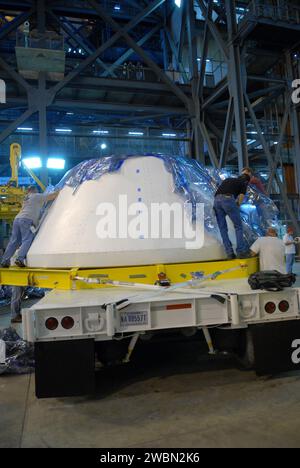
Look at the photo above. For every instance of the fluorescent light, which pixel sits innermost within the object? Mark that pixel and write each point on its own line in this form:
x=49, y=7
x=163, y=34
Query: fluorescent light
x=101, y=132
x=32, y=163
x=56, y=163
x=25, y=129
x=66, y=130
x=178, y=3
x=136, y=133
x=70, y=113
x=169, y=134
x=117, y=7
x=103, y=146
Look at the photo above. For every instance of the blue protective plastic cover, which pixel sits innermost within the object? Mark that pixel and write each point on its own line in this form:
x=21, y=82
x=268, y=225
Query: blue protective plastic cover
x=194, y=183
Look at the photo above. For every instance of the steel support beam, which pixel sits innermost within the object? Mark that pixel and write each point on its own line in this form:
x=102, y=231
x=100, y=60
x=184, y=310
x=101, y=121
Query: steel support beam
x=15, y=23
x=214, y=30
x=227, y=134
x=43, y=136
x=175, y=53
x=270, y=159
x=207, y=139
x=75, y=35
x=199, y=130
x=14, y=125
x=218, y=91
x=236, y=86
x=284, y=123
x=41, y=97
x=119, y=33
x=123, y=32
x=201, y=78
x=129, y=52
x=15, y=75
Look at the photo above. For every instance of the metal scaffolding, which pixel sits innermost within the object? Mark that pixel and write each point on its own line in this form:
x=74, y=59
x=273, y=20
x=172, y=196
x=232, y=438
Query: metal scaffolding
x=217, y=72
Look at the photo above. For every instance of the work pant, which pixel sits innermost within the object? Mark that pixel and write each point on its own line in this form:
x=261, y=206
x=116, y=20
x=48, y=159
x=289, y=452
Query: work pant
x=21, y=237
x=290, y=260
x=16, y=301
x=226, y=206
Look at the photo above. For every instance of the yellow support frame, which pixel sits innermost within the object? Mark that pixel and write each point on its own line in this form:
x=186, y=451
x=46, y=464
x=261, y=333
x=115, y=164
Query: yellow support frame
x=65, y=279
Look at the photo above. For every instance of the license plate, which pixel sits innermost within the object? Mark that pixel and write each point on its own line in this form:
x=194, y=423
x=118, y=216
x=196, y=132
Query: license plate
x=134, y=319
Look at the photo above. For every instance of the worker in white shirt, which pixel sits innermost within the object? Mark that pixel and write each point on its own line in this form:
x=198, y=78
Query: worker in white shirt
x=271, y=252
x=290, y=249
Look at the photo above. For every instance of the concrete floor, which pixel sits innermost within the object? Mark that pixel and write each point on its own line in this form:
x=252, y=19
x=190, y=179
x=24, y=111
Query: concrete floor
x=172, y=397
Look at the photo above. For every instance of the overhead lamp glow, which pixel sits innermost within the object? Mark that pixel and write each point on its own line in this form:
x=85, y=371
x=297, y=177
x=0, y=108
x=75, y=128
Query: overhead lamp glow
x=136, y=133
x=63, y=130
x=117, y=7
x=101, y=132
x=169, y=135
x=25, y=129
x=178, y=3
x=56, y=163
x=32, y=163
x=103, y=146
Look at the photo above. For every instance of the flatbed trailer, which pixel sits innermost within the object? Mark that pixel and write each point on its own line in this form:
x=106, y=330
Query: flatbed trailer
x=71, y=325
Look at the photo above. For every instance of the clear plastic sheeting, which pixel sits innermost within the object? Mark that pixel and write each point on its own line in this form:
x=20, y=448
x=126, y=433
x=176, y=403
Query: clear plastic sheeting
x=259, y=211
x=19, y=355
x=29, y=293
x=194, y=183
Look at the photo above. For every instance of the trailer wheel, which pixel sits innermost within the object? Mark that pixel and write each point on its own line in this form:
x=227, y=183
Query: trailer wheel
x=245, y=352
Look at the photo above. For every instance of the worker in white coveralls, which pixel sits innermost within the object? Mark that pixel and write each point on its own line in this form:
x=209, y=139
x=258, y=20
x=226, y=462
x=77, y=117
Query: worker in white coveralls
x=271, y=252
x=24, y=226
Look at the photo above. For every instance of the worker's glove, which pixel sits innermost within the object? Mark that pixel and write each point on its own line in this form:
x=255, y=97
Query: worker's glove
x=33, y=229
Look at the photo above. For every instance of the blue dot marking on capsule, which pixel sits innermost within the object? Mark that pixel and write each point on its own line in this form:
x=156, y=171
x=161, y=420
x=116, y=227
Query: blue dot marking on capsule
x=138, y=171
x=140, y=200
x=139, y=189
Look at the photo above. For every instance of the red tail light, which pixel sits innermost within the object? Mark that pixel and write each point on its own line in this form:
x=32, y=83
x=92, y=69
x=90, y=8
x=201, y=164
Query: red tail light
x=270, y=307
x=51, y=323
x=67, y=323
x=284, y=306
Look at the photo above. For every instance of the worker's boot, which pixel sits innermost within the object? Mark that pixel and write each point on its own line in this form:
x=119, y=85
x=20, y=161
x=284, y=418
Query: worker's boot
x=244, y=255
x=20, y=263
x=231, y=256
x=4, y=264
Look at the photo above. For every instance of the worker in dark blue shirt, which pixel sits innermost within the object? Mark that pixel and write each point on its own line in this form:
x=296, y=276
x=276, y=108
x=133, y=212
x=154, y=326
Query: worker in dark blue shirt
x=228, y=198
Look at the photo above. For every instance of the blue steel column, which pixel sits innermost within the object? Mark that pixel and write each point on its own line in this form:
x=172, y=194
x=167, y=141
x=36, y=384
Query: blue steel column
x=193, y=55
x=42, y=105
x=236, y=85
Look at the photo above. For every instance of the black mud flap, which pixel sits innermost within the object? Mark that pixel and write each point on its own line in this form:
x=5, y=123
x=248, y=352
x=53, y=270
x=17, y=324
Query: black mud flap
x=64, y=368
x=276, y=347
